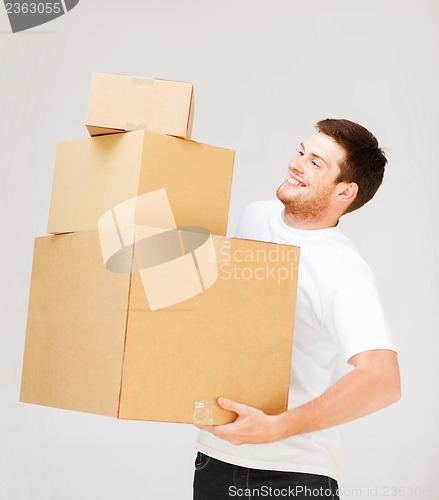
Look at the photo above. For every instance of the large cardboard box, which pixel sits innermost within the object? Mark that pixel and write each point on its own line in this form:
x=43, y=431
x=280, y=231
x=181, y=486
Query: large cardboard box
x=120, y=103
x=97, y=342
x=94, y=174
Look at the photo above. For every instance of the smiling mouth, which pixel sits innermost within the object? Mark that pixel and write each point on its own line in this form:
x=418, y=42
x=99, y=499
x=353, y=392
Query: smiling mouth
x=291, y=181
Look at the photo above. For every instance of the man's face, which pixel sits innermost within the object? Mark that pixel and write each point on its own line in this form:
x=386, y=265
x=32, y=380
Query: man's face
x=308, y=191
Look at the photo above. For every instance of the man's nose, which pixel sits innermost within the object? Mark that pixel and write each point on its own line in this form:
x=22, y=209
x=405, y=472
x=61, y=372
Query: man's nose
x=297, y=164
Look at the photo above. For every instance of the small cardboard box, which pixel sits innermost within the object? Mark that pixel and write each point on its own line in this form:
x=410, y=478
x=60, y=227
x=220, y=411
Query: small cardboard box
x=97, y=342
x=120, y=103
x=94, y=174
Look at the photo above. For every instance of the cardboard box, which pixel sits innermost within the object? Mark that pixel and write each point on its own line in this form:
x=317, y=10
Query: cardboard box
x=94, y=344
x=94, y=174
x=119, y=103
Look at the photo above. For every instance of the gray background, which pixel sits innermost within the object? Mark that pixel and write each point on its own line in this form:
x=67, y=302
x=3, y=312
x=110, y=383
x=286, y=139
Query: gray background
x=264, y=72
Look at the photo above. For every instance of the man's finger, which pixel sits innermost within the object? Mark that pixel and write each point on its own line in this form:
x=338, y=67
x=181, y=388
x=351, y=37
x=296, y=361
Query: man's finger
x=228, y=404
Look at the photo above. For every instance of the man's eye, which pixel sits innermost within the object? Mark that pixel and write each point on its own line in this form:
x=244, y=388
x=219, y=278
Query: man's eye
x=315, y=164
x=300, y=153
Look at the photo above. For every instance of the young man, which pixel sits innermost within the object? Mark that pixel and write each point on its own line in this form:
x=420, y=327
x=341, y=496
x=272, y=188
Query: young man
x=338, y=318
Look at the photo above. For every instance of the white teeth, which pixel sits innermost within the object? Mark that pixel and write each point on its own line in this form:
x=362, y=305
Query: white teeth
x=295, y=182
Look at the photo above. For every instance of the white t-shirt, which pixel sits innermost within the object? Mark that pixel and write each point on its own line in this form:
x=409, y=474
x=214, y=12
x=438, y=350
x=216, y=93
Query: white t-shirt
x=338, y=315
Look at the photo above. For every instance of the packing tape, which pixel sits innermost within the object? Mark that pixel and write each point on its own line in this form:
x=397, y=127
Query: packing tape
x=142, y=81
x=174, y=264
x=136, y=126
x=203, y=412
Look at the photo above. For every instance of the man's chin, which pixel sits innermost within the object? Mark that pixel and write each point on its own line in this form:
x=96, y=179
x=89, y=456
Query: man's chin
x=281, y=191
x=285, y=195
x=279, y=195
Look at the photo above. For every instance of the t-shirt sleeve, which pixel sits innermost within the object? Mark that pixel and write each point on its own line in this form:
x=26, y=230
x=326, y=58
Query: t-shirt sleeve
x=355, y=319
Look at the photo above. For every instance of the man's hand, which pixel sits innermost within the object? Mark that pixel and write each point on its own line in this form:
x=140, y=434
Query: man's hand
x=252, y=426
x=371, y=385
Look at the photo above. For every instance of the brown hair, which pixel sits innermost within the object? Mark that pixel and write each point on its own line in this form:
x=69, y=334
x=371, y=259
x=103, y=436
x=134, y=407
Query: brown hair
x=365, y=160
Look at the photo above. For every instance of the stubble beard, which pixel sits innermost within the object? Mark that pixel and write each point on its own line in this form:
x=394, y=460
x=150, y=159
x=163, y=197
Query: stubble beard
x=303, y=208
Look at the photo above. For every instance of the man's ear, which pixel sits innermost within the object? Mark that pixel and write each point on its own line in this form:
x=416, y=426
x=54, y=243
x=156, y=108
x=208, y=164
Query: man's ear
x=347, y=191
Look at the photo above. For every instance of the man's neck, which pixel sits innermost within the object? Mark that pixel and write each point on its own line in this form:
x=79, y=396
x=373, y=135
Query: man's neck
x=292, y=221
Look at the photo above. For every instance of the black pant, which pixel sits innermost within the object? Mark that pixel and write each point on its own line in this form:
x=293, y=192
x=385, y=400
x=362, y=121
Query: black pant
x=216, y=480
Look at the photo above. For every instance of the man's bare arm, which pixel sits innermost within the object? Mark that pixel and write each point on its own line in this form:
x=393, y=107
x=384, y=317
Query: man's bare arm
x=373, y=384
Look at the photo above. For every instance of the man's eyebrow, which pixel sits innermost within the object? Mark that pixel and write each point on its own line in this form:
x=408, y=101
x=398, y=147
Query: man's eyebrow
x=317, y=156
